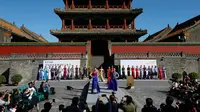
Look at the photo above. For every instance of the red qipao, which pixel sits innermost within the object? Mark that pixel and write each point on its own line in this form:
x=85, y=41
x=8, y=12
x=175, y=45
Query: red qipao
x=160, y=70
x=109, y=75
x=137, y=72
x=65, y=73
x=133, y=73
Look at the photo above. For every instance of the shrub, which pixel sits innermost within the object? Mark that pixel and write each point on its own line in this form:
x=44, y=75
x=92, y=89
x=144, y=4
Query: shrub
x=176, y=75
x=16, y=78
x=2, y=79
x=194, y=76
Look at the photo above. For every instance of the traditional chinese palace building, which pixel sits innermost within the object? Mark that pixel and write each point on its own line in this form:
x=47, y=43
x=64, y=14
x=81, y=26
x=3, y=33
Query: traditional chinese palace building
x=9, y=32
x=187, y=31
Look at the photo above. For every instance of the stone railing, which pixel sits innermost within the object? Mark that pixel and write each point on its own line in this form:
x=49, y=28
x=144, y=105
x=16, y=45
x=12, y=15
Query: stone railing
x=49, y=56
x=155, y=55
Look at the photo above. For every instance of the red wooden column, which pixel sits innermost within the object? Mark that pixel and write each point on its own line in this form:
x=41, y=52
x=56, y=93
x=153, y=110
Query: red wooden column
x=89, y=4
x=125, y=26
x=133, y=24
x=90, y=24
x=124, y=4
x=72, y=4
x=130, y=4
x=63, y=24
x=107, y=4
x=66, y=4
x=107, y=24
x=72, y=24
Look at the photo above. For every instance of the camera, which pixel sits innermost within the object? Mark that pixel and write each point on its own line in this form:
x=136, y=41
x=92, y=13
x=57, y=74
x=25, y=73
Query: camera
x=103, y=95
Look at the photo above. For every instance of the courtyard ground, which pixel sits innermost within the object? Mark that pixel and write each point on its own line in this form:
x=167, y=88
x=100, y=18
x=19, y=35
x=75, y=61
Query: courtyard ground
x=154, y=89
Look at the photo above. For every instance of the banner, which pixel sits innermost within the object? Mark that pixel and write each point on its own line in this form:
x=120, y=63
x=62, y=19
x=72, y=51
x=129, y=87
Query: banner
x=136, y=63
x=50, y=63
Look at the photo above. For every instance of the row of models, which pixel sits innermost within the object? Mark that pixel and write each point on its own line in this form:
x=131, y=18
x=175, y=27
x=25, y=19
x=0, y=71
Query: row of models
x=58, y=72
x=143, y=72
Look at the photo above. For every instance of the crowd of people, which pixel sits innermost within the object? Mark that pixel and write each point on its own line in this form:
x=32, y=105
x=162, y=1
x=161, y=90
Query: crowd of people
x=24, y=98
x=126, y=104
x=143, y=72
x=75, y=72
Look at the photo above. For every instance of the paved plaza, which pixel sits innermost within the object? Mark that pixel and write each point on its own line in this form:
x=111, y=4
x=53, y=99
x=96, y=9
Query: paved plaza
x=143, y=89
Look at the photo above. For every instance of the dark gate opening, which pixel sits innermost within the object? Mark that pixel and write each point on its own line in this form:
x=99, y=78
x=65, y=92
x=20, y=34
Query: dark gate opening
x=99, y=48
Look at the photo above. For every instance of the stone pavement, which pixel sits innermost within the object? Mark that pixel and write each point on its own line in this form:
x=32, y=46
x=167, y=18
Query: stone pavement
x=63, y=96
x=155, y=89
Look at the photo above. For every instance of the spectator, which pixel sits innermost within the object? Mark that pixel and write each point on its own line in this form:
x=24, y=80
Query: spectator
x=13, y=108
x=112, y=104
x=162, y=105
x=26, y=95
x=2, y=102
x=20, y=107
x=168, y=107
x=149, y=106
x=61, y=108
x=2, y=108
x=46, y=85
x=74, y=106
x=31, y=90
x=41, y=89
x=47, y=107
x=127, y=104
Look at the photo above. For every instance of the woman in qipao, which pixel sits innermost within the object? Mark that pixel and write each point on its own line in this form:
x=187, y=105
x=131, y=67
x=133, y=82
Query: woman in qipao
x=113, y=82
x=108, y=75
x=160, y=70
x=95, y=82
x=45, y=77
x=101, y=71
x=65, y=72
x=41, y=73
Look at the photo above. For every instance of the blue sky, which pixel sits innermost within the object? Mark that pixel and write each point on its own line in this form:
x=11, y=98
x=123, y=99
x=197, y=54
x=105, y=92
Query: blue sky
x=39, y=16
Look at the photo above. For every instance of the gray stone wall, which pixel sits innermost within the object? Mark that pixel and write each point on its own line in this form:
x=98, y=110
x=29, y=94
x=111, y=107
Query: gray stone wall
x=1, y=36
x=173, y=63
x=27, y=68
x=194, y=35
x=4, y=69
x=28, y=64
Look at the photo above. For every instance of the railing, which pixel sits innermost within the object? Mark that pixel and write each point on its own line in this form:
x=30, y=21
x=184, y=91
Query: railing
x=81, y=26
x=99, y=27
x=98, y=6
x=115, y=6
x=81, y=6
x=42, y=56
x=116, y=26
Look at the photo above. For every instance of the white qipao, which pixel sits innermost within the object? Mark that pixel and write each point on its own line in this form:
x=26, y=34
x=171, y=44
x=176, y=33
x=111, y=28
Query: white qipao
x=49, y=73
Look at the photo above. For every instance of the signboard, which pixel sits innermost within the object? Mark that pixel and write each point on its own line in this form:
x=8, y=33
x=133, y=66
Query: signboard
x=62, y=63
x=136, y=63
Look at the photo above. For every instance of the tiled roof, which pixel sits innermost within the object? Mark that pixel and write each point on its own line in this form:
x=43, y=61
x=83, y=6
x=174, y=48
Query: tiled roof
x=156, y=36
x=179, y=28
x=14, y=29
x=37, y=37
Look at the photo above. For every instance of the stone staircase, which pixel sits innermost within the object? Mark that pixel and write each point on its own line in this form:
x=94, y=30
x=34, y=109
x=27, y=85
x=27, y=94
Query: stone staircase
x=96, y=61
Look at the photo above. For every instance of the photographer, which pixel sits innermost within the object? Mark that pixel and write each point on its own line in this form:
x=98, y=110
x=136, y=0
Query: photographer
x=127, y=104
x=100, y=106
x=2, y=96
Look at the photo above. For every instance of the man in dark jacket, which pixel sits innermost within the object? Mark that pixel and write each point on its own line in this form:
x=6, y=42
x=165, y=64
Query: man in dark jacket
x=149, y=106
x=168, y=107
x=74, y=106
